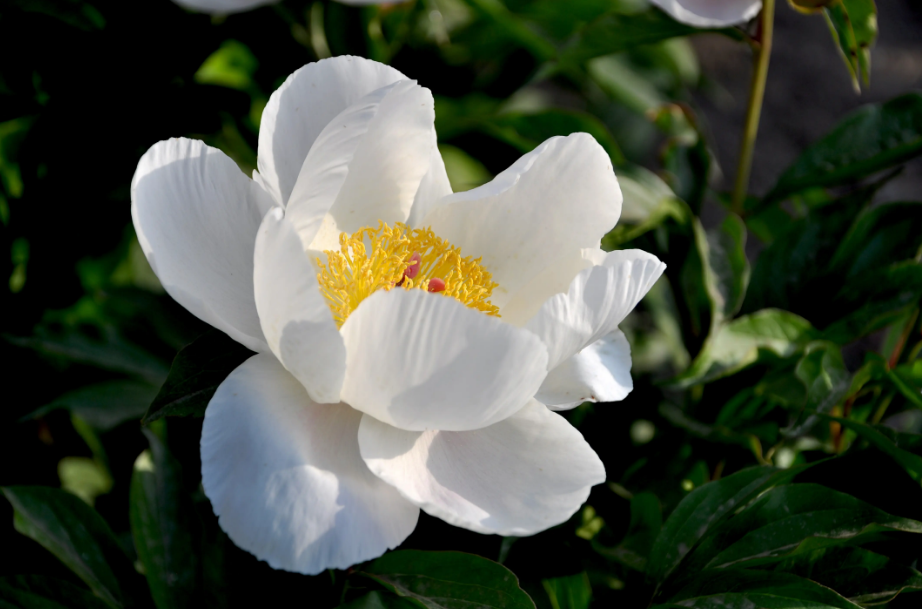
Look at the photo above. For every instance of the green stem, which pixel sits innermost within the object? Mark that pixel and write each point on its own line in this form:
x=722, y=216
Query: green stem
x=756, y=93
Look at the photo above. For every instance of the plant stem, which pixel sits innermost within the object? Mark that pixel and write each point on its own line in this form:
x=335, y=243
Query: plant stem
x=756, y=94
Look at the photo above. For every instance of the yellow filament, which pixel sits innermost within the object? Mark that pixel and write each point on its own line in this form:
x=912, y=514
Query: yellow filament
x=373, y=259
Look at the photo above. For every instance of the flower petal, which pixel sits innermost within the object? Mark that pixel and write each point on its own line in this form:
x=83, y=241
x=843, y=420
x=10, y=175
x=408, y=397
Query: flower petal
x=196, y=216
x=365, y=166
x=598, y=300
x=420, y=361
x=285, y=477
x=294, y=314
x=599, y=373
x=221, y=7
x=303, y=106
x=710, y=13
x=522, y=475
x=559, y=198
x=433, y=187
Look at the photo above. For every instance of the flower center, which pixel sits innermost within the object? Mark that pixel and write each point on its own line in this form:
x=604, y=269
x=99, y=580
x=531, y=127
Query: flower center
x=384, y=258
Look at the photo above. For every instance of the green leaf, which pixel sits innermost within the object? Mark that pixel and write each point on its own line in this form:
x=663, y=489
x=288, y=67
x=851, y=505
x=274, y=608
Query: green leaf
x=40, y=592
x=84, y=477
x=104, y=405
x=740, y=588
x=449, y=580
x=884, y=439
x=197, y=370
x=874, y=300
x=823, y=373
x=858, y=574
x=793, y=271
x=111, y=352
x=614, y=32
x=379, y=600
x=726, y=255
x=853, y=25
x=71, y=530
x=569, y=592
x=526, y=130
x=160, y=524
x=874, y=138
x=881, y=235
x=233, y=66
x=643, y=192
x=743, y=341
x=789, y=520
x=702, y=509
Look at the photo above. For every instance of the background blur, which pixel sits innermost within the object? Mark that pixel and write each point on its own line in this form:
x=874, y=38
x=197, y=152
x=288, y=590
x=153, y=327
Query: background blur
x=86, y=86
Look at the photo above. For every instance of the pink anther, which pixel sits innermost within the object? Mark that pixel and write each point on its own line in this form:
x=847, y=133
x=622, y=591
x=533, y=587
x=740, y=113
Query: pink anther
x=413, y=268
x=436, y=285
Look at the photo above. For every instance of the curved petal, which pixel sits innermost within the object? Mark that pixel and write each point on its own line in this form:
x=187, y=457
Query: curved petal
x=285, y=477
x=365, y=166
x=599, y=373
x=197, y=216
x=433, y=187
x=421, y=361
x=598, y=300
x=522, y=475
x=303, y=106
x=557, y=199
x=294, y=315
x=222, y=7
x=711, y=13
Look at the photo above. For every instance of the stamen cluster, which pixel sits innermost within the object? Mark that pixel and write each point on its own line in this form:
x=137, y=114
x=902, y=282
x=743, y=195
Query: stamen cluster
x=383, y=258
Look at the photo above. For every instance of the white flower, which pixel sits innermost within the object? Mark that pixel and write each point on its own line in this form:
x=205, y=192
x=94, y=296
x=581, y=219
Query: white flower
x=710, y=13
x=224, y=7
x=367, y=401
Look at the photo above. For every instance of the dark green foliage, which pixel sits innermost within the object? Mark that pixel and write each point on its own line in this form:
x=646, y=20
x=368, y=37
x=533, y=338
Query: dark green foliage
x=197, y=371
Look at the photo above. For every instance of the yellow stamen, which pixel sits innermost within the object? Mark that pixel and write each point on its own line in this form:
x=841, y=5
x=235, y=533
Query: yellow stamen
x=358, y=270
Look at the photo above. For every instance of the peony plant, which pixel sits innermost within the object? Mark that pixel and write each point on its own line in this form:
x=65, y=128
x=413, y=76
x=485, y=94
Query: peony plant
x=411, y=344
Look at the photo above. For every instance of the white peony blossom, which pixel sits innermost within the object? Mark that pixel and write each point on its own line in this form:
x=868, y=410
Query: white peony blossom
x=411, y=343
x=225, y=7
x=710, y=13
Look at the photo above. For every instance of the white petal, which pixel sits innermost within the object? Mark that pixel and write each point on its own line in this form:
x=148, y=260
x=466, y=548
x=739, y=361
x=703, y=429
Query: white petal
x=561, y=197
x=522, y=475
x=303, y=106
x=294, y=314
x=599, y=373
x=285, y=477
x=196, y=215
x=432, y=189
x=421, y=361
x=365, y=166
x=598, y=300
x=222, y=7
x=711, y=13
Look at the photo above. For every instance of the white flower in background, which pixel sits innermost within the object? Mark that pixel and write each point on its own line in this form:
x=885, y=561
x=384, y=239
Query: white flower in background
x=711, y=13
x=224, y=7
x=409, y=340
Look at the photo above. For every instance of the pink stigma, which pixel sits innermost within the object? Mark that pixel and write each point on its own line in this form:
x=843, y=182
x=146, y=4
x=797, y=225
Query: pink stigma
x=436, y=285
x=413, y=268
